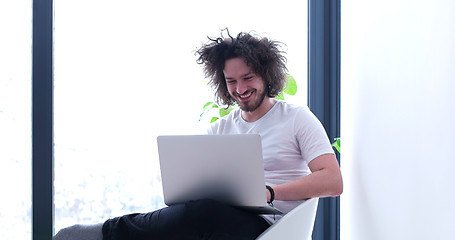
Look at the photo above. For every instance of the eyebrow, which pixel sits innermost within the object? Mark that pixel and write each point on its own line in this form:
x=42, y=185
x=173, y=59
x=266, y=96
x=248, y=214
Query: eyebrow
x=244, y=75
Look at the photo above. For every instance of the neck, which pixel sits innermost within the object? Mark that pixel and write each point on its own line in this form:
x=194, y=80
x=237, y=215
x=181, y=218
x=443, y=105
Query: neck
x=266, y=105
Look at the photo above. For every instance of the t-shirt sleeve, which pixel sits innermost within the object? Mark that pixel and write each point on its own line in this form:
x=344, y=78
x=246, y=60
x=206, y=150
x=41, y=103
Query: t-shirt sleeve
x=311, y=136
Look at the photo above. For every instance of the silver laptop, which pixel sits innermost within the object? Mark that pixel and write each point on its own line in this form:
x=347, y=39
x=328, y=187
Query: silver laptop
x=227, y=168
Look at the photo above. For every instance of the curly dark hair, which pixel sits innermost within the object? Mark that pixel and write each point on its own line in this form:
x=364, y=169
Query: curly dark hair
x=261, y=54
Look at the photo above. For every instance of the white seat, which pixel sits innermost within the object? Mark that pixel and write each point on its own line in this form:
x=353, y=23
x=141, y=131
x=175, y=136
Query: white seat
x=297, y=224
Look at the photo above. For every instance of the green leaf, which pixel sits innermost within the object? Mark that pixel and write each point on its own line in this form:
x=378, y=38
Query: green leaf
x=225, y=111
x=213, y=119
x=336, y=144
x=291, y=85
x=209, y=105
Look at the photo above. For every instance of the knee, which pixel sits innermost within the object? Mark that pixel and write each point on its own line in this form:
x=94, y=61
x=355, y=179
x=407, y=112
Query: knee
x=75, y=232
x=66, y=233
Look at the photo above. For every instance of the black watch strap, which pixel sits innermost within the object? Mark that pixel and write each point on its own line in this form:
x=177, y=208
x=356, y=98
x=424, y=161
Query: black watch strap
x=272, y=193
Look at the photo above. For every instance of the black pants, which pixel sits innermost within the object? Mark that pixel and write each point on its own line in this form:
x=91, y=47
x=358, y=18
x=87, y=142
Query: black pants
x=203, y=219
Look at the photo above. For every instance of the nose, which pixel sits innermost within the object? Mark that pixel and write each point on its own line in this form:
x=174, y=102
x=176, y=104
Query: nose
x=241, y=87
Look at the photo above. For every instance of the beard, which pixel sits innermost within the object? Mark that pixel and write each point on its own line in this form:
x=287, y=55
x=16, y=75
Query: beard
x=251, y=106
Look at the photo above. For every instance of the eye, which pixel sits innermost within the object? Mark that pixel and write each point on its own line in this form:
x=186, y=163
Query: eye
x=230, y=81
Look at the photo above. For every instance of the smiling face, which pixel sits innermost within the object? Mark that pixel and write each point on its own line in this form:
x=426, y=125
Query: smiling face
x=244, y=85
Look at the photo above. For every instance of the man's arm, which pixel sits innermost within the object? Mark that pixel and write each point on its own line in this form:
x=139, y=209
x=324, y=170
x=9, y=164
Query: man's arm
x=324, y=181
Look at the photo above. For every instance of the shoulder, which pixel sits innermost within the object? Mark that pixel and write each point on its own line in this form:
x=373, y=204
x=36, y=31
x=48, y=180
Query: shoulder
x=300, y=118
x=289, y=107
x=293, y=111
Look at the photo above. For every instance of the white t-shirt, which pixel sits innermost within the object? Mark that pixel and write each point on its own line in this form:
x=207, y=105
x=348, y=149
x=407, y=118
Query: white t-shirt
x=291, y=137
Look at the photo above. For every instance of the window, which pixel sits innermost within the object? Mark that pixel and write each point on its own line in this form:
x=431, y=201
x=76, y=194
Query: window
x=15, y=119
x=125, y=72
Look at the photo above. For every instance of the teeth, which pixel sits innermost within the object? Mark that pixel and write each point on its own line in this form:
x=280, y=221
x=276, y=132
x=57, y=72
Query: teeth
x=245, y=96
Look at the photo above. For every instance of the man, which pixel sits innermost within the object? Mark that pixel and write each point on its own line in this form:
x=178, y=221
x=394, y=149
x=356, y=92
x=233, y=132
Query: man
x=298, y=159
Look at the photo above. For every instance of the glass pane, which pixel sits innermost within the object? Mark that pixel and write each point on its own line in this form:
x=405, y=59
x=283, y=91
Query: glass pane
x=125, y=72
x=15, y=119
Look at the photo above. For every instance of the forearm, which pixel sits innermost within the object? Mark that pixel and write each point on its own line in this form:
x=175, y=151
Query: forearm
x=317, y=184
x=324, y=181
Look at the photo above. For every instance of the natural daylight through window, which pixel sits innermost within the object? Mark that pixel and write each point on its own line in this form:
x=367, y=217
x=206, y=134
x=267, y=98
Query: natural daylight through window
x=15, y=119
x=125, y=72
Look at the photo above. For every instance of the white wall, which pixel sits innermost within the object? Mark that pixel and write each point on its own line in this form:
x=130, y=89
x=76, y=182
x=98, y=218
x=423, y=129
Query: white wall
x=398, y=117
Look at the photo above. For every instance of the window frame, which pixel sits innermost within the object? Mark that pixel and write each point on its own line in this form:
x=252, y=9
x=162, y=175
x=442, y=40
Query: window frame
x=323, y=100
x=324, y=95
x=42, y=120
